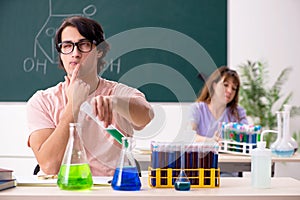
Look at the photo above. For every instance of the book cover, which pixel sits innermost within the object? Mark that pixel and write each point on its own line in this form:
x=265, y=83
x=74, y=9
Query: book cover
x=6, y=184
x=6, y=174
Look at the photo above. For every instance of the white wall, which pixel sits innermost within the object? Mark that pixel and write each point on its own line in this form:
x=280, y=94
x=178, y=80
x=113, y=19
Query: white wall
x=267, y=30
x=14, y=153
x=170, y=124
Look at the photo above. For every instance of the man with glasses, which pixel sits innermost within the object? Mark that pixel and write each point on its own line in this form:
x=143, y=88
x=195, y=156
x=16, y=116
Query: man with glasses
x=82, y=47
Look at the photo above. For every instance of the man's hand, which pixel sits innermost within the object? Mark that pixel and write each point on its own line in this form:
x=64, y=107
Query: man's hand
x=77, y=91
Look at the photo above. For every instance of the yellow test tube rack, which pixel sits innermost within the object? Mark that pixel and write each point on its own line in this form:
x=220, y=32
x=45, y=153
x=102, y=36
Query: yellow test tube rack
x=199, y=178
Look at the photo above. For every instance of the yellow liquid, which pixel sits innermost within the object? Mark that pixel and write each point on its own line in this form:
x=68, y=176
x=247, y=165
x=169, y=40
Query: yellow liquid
x=75, y=177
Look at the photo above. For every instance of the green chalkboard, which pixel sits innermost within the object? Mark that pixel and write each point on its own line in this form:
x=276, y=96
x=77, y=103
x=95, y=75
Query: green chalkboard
x=158, y=46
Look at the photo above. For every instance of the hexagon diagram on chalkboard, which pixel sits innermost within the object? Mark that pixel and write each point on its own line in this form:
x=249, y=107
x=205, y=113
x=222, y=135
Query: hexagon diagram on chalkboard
x=44, y=40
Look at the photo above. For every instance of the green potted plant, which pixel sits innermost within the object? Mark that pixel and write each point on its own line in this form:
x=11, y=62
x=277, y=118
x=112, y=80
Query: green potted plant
x=260, y=101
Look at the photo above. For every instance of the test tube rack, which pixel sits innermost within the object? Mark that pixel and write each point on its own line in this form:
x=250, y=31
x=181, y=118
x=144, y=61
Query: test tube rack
x=199, y=178
x=198, y=160
x=239, y=148
x=239, y=138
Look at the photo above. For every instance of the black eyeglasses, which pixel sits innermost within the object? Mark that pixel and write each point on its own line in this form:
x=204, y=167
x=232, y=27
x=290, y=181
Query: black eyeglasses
x=83, y=46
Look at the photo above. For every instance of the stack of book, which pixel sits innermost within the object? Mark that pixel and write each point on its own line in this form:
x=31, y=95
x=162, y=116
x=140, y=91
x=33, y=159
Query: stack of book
x=6, y=179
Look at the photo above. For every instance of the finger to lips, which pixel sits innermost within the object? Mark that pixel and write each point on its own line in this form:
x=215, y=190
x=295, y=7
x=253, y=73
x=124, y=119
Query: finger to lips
x=75, y=73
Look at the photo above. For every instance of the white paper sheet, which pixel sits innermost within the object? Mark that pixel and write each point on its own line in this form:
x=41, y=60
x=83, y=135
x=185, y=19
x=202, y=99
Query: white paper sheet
x=35, y=181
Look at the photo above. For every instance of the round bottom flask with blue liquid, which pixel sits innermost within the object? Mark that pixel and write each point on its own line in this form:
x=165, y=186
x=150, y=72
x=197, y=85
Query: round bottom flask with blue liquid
x=285, y=148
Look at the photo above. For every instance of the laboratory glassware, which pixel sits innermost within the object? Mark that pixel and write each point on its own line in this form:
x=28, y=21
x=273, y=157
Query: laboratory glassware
x=126, y=176
x=182, y=182
x=75, y=173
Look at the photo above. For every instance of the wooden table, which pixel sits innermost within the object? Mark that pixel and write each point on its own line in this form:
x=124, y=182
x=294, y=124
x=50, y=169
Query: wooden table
x=230, y=189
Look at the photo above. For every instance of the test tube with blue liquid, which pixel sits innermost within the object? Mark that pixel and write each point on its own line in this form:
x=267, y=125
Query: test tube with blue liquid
x=154, y=161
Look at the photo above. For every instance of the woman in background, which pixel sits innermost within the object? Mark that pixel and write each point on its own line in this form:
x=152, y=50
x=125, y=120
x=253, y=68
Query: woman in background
x=218, y=102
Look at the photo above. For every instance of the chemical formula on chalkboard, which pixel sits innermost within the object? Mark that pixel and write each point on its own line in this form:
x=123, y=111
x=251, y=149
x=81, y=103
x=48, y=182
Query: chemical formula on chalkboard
x=44, y=40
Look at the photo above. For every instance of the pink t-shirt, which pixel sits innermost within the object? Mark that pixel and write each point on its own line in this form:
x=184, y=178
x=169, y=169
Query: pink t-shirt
x=45, y=108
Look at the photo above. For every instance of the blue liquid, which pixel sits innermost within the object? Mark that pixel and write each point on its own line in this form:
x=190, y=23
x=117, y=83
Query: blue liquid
x=182, y=183
x=273, y=151
x=126, y=179
x=215, y=161
x=284, y=153
x=182, y=186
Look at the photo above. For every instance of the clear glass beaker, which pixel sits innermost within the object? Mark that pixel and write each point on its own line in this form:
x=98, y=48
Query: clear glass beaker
x=285, y=148
x=75, y=173
x=126, y=176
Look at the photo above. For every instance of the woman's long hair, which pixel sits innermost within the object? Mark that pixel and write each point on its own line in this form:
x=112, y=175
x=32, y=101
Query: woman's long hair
x=207, y=91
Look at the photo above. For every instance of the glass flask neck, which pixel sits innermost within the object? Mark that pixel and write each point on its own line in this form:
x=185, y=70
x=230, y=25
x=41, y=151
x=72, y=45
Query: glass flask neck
x=74, y=128
x=75, y=152
x=126, y=155
x=286, y=125
x=127, y=143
